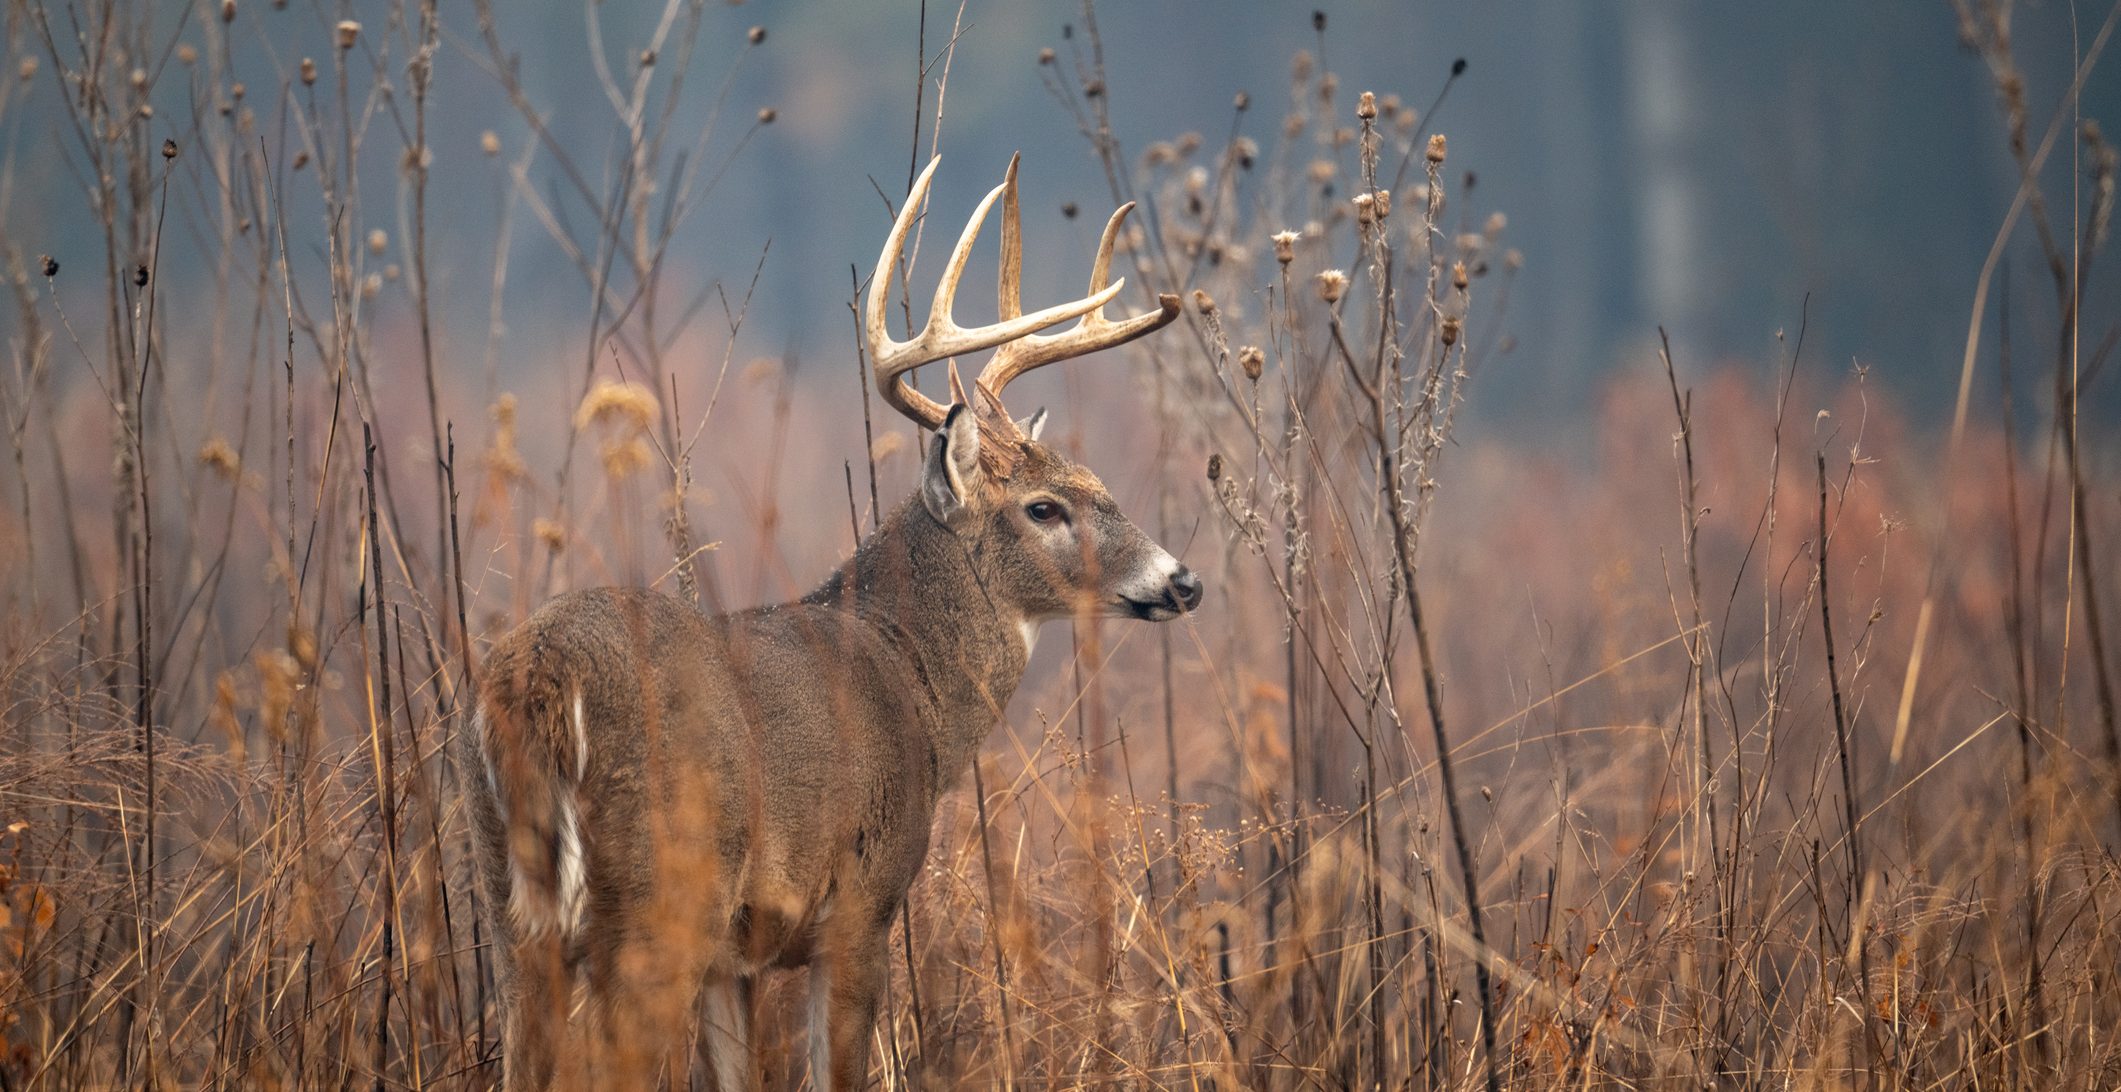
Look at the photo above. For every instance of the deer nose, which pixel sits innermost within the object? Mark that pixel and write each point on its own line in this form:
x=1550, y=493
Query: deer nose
x=1186, y=588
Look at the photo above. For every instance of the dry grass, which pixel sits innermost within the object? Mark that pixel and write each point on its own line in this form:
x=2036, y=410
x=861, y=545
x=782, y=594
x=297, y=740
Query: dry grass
x=1769, y=740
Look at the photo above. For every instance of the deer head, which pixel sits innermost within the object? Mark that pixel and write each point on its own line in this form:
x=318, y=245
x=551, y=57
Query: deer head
x=1050, y=533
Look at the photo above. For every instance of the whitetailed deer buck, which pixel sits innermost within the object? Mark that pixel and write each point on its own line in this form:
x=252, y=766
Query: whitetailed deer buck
x=666, y=802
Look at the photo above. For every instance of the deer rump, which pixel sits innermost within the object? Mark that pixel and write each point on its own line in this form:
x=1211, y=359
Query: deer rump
x=716, y=808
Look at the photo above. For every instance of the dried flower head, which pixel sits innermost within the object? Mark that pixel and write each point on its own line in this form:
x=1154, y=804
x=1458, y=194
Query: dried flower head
x=1215, y=467
x=301, y=160
x=50, y=264
x=228, y=11
x=1253, y=361
x=187, y=53
x=766, y=115
x=490, y=142
x=1447, y=331
x=1496, y=222
x=169, y=148
x=755, y=35
x=1045, y=56
x=1242, y=102
x=378, y=241
x=1322, y=171
x=1366, y=106
x=1285, y=246
x=648, y=58
x=220, y=458
x=551, y=533
x=1203, y=302
x=1458, y=275
x=1437, y=147
x=1331, y=284
x=613, y=401
x=349, y=33
x=1365, y=207
x=309, y=71
x=27, y=70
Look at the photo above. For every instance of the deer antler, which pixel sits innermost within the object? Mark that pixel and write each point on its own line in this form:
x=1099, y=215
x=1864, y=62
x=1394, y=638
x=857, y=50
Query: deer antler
x=1022, y=348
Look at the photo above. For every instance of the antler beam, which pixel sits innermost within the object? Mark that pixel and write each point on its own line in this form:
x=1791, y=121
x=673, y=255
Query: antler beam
x=1022, y=348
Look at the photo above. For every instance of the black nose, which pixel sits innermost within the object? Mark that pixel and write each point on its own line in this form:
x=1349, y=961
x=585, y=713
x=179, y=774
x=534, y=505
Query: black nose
x=1186, y=588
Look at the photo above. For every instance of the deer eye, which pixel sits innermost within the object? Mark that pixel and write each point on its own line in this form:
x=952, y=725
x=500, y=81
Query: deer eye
x=1044, y=511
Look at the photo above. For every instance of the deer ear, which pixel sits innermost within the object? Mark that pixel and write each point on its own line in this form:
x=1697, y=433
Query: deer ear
x=1033, y=425
x=953, y=472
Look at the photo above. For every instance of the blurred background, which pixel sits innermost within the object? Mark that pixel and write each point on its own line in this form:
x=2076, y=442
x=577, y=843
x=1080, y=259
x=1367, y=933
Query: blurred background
x=1703, y=169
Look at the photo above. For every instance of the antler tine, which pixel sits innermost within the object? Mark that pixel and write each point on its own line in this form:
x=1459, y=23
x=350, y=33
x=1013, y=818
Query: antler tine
x=1094, y=332
x=941, y=336
x=892, y=359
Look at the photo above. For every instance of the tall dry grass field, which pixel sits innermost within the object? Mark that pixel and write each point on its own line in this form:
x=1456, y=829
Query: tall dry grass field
x=1766, y=739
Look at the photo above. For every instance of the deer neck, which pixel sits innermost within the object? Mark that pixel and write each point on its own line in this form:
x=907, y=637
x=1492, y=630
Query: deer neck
x=923, y=588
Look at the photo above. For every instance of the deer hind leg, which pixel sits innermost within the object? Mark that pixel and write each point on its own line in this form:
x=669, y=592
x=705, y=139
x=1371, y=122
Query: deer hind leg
x=726, y=1028
x=845, y=986
x=534, y=1003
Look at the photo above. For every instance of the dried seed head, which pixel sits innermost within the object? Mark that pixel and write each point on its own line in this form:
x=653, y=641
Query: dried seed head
x=377, y=241
x=139, y=79
x=1243, y=102
x=1068, y=210
x=630, y=404
x=236, y=90
x=301, y=160
x=1253, y=361
x=1458, y=67
x=1203, y=302
x=1321, y=172
x=349, y=33
x=1366, y=106
x=169, y=148
x=1292, y=126
x=1496, y=222
x=1318, y=20
x=1331, y=284
x=391, y=272
x=1513, y=260
x=187, y=53
x=1447, y=330
x=228, y=11
x=147, y=110
x=139, y=276
x=1187, y=144
x=1245, y=149
x=648, y=58
x=767, y=114
x=1327, y=85
x=1285, y=246
x=1045, y=56
x=1215, y=467
x=50, y=264
x=755, y=35
x=1437, y=147
x=27, y=70
x=1093, y=88
x=1365, y=207
x=490, y=142
x=220, y=458
x=551, y=533
x=1384, y=203
x=309, y=71
x=1458, y=275
x=371, y=285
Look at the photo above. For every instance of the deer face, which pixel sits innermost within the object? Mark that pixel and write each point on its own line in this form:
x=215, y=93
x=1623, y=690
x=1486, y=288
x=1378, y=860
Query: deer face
x=1050, y=538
